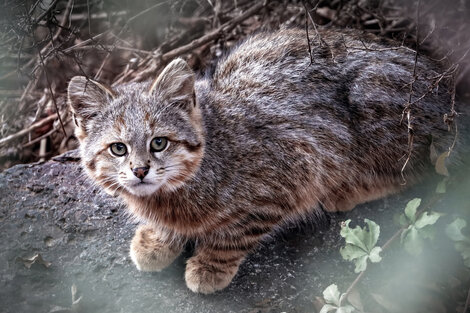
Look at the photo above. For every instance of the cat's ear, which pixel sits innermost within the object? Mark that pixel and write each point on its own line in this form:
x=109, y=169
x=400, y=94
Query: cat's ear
x=87, y=98
x=175, y=84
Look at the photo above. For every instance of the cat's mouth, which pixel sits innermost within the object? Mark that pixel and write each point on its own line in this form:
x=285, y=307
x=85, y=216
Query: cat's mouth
x=143, y=188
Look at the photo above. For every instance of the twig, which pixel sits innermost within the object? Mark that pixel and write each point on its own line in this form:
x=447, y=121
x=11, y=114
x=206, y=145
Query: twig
x=98, y=73
x=86, y=42
x=32, y=82
x=52, y=93
x=42, y=150
x=47, y=11
x=197, y=42
x=306, y=32
x=48, y=56
x=214, y=34
x=370, y=48
x=109, y=48
x=407, y=109
x=35, y=140
x=25, y=131
x=438, y=78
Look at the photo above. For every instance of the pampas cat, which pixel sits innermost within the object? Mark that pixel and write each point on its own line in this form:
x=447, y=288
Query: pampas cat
x=269, y=137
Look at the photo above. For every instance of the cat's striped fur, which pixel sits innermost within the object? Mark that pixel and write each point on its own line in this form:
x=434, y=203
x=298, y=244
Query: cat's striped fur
x=267, y=138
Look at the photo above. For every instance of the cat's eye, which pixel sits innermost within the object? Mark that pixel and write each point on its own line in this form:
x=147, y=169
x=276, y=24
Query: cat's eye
x=118, y=149
x=158, y=144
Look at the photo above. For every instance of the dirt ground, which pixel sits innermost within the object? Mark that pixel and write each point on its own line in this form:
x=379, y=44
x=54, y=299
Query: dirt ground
x=51, y=209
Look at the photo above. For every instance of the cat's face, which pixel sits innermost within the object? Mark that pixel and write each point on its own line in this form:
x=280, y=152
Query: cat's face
x=140, y=138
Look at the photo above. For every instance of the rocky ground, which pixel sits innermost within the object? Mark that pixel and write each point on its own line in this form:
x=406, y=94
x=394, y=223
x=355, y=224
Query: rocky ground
x=51, y=209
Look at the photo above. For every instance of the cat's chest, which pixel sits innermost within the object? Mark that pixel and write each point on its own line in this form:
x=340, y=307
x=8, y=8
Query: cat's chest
x=183, y=215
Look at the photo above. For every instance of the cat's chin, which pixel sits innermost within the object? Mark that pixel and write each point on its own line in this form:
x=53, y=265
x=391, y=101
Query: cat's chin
x=143, y=189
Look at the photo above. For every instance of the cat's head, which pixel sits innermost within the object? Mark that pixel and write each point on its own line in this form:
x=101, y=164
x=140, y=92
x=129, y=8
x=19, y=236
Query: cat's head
x=139, y=138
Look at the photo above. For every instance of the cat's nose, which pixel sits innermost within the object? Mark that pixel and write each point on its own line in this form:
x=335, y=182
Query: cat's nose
x=140, y=172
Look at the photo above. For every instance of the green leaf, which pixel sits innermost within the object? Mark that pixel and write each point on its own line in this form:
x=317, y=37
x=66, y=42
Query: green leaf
x=355, y=254
x=361, y=264
x=353, y=236
x=412, y=241
x=410, y=210
x=332, y=298
x=331, y=295
x=327, y=308
x=462, y=242
x=371, y=237
x=454, y=230
x=426, y=218
x=360, y=242
x=374, y=255
x=404, y=234
x=402, y=220
x=412, y=237
x=350, y=252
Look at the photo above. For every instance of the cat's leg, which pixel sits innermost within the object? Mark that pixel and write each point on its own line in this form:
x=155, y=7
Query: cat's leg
x=153, y=249
x=218, y=257
x=212, y=268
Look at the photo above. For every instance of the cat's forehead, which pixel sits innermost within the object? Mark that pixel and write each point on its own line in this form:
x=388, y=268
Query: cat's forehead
x=132, y=116
x=135, y=113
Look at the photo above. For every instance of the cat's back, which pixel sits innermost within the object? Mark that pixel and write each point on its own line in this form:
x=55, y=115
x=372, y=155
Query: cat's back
x=262, y=62
x=344, y=92
x=351, y=76
x=276, y=65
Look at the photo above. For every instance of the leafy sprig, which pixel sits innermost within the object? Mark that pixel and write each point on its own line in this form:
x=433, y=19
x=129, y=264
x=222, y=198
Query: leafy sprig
x=418, y=227
x=360, y=244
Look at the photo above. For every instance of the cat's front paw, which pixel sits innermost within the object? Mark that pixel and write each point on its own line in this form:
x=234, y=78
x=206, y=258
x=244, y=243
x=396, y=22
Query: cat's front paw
x=149, y=253
x=206, y=278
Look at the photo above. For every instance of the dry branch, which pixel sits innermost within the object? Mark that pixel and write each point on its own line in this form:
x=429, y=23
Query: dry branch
x=63, y=33
x=225, y=28
x=219, y=32
x=25, y=131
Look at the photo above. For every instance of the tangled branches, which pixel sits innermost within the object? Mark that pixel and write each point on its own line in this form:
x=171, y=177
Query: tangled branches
x=46, y=42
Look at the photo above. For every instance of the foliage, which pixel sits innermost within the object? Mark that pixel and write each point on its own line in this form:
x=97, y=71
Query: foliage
x=361, y=247
x=461, y=242
x=360, y=244
x=419, y=227
x=332, y=298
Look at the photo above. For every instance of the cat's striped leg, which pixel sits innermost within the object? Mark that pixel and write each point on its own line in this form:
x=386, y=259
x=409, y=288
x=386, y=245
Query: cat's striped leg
x=215, y=263
x=213, y=267
x=153, y=249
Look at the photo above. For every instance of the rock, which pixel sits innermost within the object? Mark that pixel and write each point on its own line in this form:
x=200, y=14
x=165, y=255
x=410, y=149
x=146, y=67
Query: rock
x=52, y=209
